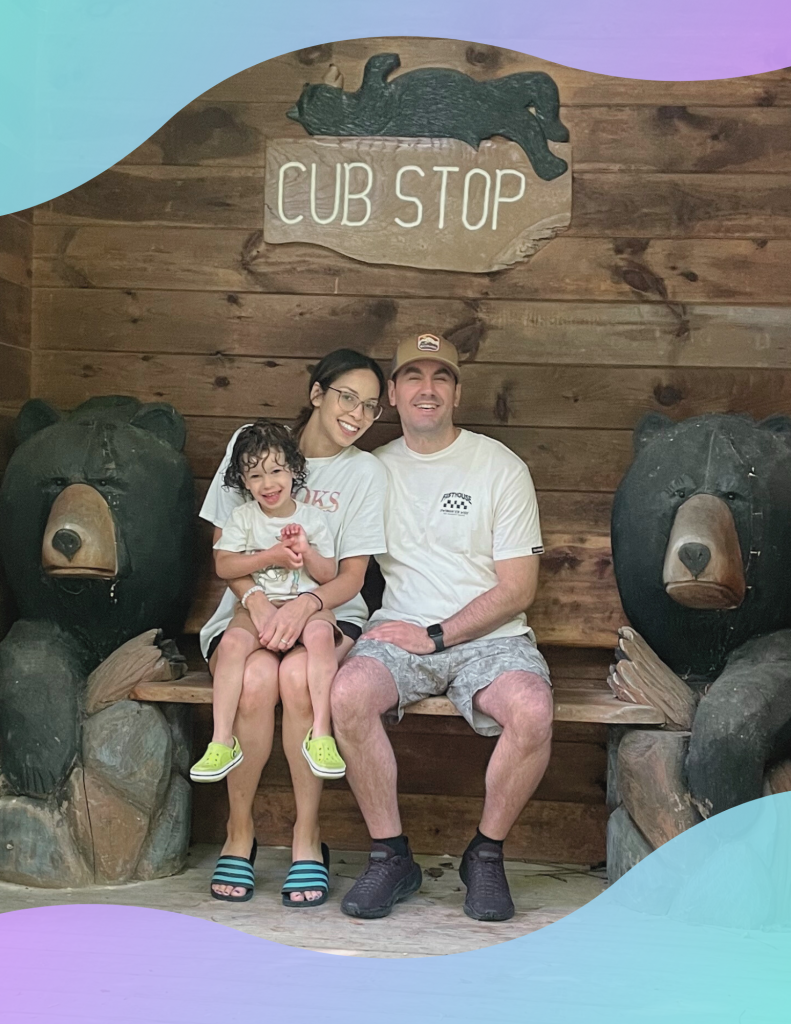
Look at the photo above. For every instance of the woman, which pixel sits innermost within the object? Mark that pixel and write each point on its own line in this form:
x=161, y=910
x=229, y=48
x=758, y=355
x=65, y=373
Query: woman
x=345, y=392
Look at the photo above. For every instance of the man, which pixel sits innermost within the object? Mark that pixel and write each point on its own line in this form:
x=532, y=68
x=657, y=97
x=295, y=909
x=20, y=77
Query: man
x=463, y=540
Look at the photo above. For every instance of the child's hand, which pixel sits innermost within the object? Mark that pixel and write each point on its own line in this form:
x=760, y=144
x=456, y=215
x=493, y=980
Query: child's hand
x=284, y=555
x=293, y=537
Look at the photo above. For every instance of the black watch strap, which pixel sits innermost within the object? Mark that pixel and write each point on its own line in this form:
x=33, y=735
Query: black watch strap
x=436, y=634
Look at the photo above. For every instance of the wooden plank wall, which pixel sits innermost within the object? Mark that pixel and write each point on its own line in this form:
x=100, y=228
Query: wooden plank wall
x=670, y=291
x=16, y=274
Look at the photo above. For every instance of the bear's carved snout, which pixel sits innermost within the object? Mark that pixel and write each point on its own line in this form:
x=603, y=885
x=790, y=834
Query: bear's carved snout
x=703, y=563
x=79, y=538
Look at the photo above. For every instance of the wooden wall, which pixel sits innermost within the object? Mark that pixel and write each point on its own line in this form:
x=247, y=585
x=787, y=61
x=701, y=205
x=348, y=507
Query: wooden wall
x=670, y=291
x=16, y=278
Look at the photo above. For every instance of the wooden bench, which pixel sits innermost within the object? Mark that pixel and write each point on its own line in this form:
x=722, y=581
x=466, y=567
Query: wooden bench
x=571, y=705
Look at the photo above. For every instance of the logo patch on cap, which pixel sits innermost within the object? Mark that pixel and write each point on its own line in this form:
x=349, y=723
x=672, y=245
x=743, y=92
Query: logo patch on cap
x=428, y=343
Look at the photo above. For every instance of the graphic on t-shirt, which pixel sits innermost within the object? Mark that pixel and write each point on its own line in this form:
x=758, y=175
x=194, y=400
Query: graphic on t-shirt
x=324, y=501
x=455, y=503
x=279, y=574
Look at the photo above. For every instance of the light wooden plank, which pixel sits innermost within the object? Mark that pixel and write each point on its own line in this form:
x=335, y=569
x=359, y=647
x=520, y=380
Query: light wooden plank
x=512, y=331
x=570, y=705
x=680, y=270
x=283, y=77
x=666, y=138
x=496, y=394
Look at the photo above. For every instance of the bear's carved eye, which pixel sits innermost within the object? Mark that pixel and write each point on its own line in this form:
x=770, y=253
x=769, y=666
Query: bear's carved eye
x=60, y=482
x=732, y=496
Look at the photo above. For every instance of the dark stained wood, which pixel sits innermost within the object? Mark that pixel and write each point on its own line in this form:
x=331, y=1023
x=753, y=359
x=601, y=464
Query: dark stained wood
x=16, y=247
x=283, y=77
x=485, y=331
x=15, y=304
x=664, y=138
x=14, y=374
x=497, y=394
x=642, y=205
x=195, y=196
x=680, y=270
x=546, y=830
x=626, y=844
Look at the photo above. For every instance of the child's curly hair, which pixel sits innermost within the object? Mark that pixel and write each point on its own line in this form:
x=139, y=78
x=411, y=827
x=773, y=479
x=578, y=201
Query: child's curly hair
x=254, y=444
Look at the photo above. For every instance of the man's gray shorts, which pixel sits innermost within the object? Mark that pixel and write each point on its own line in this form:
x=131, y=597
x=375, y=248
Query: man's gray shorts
x=458, y=672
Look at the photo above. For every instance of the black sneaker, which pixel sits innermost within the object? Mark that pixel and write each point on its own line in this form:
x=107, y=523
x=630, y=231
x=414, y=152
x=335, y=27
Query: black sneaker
x=488, y=896
x=387, y=880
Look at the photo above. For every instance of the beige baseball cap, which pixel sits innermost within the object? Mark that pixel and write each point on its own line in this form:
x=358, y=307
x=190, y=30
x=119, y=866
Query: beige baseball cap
x=425, y=346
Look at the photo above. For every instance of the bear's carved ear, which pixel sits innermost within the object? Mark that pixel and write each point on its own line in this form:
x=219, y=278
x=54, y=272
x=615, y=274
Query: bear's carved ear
x=778, y=424
x=162, y=420
x=649, y=427
x=34, y=415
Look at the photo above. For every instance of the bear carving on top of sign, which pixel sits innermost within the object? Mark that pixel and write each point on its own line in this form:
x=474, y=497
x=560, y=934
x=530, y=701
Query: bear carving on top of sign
x=701, y=541
x=97, y=545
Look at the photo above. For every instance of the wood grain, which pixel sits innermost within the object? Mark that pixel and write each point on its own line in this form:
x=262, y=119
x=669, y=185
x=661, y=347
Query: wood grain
x=680, y=270
x=15, y=314
x=665, y=138
x=16, y=246
x=511, y=331
x=492, y=394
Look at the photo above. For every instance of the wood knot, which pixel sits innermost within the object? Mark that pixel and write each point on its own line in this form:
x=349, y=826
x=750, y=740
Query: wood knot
x=667, y=395
x=221, y=382
x=312, y=55
x=483, y=57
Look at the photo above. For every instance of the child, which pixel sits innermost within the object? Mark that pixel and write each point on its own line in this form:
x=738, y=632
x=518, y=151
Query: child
x=268, y=465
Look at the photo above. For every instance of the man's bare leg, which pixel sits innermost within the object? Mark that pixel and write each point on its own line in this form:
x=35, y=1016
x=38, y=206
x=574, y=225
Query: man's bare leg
x=522, y=704
x=255, y=727
x=297, y=719
x=362, y=692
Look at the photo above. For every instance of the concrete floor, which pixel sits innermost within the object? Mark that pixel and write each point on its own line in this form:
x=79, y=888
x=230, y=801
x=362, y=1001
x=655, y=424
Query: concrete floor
x=430, y=923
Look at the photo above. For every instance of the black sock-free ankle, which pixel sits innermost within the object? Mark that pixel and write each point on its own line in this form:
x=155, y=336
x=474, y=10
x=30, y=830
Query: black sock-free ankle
x=398, y=844
x=479, y=838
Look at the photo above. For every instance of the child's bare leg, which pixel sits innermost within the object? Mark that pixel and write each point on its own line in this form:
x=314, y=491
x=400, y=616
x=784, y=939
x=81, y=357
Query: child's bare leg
x=318, y=638
x=239, y=641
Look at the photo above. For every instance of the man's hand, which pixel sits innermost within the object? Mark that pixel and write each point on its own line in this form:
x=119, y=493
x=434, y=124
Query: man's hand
x=294, y=539
x=285, y=627
x=405, y=635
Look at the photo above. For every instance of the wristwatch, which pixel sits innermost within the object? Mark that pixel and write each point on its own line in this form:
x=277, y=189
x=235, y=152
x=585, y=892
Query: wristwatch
x=436, y=634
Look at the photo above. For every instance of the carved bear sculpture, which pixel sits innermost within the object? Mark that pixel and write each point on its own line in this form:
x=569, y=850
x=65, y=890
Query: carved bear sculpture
x=701, y=540
x=440, y=103
x=96, y=509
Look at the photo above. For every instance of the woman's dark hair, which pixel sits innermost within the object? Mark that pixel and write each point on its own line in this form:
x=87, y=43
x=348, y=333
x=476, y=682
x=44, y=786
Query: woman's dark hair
x=331, y=367
x=254, y=444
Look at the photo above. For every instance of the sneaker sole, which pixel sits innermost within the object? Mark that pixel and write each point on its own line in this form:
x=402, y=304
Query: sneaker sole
x=405, y=888
x=323, y=773
x=220, y=775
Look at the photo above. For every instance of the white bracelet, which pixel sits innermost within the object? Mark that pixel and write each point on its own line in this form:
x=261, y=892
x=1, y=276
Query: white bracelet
x=247, y=593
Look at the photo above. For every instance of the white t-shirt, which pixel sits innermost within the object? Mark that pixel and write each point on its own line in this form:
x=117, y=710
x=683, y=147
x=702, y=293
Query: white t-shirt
x=348, y=487
x=449, y=517
x=250, y=529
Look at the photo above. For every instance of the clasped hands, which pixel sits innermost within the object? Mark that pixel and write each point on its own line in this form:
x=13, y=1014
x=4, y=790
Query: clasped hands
x=280, y=628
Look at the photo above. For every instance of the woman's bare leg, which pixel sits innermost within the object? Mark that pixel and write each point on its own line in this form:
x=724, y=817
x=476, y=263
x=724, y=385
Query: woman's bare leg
x=255, y=727
x=297, y=719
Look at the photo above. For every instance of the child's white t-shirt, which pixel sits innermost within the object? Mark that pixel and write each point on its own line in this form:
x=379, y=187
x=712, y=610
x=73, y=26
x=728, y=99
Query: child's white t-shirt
x=250, y=529
x=348, y=488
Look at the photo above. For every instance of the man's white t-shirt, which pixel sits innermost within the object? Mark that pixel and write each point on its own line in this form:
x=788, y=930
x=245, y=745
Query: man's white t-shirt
x=349, y=488
x=250, y=529
x=449, y=517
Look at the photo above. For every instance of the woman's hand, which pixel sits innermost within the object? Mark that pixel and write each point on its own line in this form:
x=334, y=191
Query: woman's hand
x=261, y=611
x=285, y=627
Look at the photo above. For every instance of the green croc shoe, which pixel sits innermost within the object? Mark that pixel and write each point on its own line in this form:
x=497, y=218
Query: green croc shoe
x=217, y=762
x=323, y=757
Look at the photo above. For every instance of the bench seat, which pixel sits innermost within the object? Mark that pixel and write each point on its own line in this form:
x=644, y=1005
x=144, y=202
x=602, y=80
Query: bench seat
x=571, y=704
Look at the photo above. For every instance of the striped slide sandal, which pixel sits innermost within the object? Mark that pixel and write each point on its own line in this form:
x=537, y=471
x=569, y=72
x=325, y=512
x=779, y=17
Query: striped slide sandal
x=308, y=876
x=236, y=871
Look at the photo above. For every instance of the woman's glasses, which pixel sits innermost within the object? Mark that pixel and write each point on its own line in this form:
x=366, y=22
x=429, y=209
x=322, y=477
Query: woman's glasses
x=349, y=402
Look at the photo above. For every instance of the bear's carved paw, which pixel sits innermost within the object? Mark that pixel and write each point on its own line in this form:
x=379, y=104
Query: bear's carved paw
x=641, y=678
x=143, y=659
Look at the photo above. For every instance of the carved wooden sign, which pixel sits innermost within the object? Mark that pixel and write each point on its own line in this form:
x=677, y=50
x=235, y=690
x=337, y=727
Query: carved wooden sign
x=407, y=172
